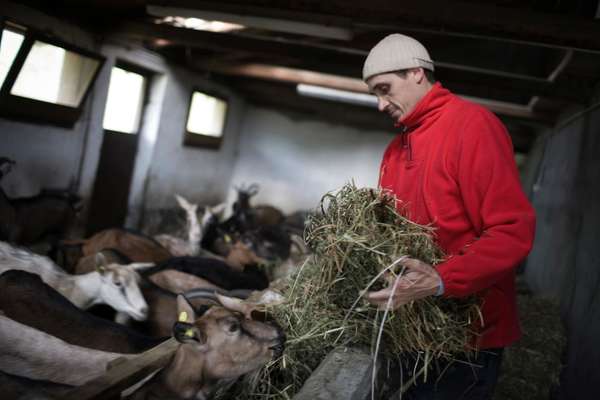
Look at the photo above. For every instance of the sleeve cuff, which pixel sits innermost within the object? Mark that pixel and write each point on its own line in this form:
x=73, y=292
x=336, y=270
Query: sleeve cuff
x=440, y=290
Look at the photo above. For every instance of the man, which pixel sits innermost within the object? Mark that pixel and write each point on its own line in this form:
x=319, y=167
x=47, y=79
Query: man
x=452, y=166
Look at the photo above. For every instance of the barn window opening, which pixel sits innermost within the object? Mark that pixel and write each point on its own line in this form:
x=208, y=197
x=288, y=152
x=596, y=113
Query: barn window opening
x=55, y=75
x=206, y=120
x=9, y=47
x=125, y=101
x=206, y=115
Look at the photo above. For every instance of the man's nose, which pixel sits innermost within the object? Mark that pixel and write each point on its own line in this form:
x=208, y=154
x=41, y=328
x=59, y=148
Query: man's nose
x=381, y=104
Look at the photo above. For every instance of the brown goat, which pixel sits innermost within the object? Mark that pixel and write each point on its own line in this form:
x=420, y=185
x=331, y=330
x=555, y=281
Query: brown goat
x=136, y=247
x=220, y=345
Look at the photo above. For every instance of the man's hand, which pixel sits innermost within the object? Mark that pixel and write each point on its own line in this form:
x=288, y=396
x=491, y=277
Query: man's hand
x=420, y=280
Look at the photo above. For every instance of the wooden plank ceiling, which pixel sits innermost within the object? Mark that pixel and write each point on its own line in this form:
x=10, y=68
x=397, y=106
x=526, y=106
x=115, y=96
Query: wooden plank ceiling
x=527, y=60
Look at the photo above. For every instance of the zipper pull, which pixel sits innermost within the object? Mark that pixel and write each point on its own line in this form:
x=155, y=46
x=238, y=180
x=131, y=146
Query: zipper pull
x=404, y=136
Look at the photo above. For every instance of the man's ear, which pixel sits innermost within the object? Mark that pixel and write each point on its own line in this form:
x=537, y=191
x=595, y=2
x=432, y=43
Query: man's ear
x=185, y=311
x=419, y=74
x=188, y=333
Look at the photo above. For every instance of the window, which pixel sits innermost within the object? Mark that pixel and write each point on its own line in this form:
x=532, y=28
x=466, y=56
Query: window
x=43, y=79
x=9, y=47
x=54, y=75
x=125, y=101
x=206, y=120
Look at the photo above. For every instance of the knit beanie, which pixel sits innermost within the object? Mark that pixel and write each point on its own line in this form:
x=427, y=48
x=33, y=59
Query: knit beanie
x=396, y=52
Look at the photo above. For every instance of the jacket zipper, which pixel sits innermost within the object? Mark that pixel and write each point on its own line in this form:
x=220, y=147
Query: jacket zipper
x=406, y=141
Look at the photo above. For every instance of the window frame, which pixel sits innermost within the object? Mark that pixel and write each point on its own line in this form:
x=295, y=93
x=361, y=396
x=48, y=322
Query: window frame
x=198, y=139
x=37, y=111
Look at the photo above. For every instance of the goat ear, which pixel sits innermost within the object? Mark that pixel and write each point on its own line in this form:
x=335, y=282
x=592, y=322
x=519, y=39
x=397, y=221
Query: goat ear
x=218, y=209
x=188, y=333
x=183, y=203
x=100, y=263
x=185, y=311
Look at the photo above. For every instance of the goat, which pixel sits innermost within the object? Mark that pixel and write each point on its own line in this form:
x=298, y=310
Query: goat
x=33, y=354
x=220, y=345
x=196, y=230
x=179, y=282
x=25, y=298
x=47, y=213
x=111, y=256
x=246, y=217
x=215, y=271
x=116, y=286
x=17, y=387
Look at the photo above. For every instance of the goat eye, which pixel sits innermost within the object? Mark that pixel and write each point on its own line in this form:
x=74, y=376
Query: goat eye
x=118, y=284
x=234, y=327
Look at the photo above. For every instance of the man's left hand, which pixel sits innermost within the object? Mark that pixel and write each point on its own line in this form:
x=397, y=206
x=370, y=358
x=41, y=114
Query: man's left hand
x=420, y=280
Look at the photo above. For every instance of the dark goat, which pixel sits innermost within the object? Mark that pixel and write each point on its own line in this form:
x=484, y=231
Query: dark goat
x=25, y=298
x=215, y=271
x=48, y=213
x=269, y=242
x=17, y=387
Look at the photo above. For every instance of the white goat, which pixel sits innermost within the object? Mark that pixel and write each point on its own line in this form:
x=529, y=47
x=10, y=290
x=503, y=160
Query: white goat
x=196, y=229
x=114, y=285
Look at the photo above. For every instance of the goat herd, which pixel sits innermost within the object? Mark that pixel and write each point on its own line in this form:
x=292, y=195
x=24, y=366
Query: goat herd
x=200, y=289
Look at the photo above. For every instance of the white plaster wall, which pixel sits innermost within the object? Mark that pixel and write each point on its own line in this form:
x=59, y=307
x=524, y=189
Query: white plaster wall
x=200, y=174
x=295, y=161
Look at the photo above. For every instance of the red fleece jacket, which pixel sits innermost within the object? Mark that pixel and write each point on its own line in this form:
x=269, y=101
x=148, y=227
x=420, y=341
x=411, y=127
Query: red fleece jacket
x=452, y=166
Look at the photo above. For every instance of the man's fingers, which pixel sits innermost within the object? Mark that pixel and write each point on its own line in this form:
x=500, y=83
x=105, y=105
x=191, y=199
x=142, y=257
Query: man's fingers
x=414, y=264
x=379, y=295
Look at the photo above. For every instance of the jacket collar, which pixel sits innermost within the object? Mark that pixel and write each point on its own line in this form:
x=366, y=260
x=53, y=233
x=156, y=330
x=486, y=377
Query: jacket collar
x=427, y=109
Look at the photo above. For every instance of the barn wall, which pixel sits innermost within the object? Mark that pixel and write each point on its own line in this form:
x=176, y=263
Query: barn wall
x=565, y=262
x=46, y=155
x=200, y=174
x=50, y=156
x=295, y=159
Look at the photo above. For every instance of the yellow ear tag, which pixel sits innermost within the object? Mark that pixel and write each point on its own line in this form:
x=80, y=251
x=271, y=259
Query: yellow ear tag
x=189, y=333
x=183, y=316
x=227, y=239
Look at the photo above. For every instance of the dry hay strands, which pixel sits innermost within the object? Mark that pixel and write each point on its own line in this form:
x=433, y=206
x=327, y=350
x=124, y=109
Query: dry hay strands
x=355, y=235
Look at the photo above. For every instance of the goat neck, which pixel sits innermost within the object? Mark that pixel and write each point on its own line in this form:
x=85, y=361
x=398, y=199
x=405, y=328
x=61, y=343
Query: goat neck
x=81, y=290
x=178, y=380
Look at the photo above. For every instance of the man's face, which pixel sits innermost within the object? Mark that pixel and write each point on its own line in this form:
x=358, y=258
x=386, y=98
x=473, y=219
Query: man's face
x=398, y=95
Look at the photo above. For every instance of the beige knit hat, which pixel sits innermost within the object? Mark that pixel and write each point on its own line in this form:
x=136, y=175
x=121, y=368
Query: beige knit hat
x=396, y=52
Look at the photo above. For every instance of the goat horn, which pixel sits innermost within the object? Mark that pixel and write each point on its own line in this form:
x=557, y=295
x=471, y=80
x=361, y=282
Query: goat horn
x=233, y=304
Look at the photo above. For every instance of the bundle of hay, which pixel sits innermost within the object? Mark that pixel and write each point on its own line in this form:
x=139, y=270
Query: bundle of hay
x=357, y=234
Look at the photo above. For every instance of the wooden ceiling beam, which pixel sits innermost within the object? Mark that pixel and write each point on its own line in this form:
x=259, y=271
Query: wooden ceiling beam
x=288, y=75
x=472, y=19
x=320, y=58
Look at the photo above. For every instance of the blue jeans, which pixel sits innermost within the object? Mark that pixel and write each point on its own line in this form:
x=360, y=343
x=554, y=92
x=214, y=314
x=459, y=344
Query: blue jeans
x=457, y=380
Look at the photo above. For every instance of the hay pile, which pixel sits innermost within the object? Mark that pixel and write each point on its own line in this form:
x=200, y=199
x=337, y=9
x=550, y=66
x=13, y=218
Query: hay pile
x=355, y=235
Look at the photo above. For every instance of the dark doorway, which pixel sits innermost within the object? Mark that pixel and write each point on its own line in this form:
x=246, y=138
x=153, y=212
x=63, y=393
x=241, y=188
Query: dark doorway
x=127, y=96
